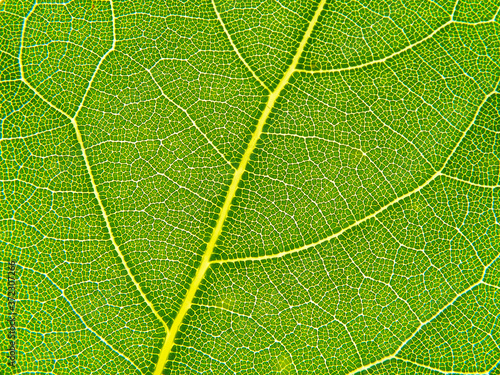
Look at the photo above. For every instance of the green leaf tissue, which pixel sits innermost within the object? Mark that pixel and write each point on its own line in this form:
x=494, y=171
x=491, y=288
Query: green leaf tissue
x=250, y=187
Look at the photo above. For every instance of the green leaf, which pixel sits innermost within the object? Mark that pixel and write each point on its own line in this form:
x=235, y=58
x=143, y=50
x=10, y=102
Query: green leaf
x=250, y=187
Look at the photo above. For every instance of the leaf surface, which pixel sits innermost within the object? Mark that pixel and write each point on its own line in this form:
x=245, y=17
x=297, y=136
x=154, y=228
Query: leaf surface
x=275, y=187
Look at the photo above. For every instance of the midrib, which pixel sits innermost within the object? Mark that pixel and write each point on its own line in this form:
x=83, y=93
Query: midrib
x=205, y=260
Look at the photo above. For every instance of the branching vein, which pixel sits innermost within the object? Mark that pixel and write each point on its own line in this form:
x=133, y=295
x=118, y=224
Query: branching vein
x=236, y=49
x=205, y=261
x=374, y=214
x=85, y=157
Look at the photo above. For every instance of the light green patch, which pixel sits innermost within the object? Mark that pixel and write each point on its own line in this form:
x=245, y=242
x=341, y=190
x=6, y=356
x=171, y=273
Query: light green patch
x=284, y=364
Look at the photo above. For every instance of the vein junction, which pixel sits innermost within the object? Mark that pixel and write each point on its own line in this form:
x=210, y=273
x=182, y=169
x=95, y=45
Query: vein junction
x=73, y=120
x=205, y=261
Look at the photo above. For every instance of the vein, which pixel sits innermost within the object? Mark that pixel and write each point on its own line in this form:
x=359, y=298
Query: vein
x=52, y=191
x=373, y=62
x=249, y=318
x=495, y=366
x=94, y=185
x=205, y=261
x=408, y=47
x=470, y=182
x=45, y=236
x=236, y=48
x=8, y=54
x=441, y=371
x=386, y=125
x=454, y=9
x=335, y=235
x=491, y=285
x=85, y=156
x=480, y=281
x=492, y=20
x=24, y=137
x=374, y=214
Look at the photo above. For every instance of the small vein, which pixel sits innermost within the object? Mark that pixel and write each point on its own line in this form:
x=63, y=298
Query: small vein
x=423, y=324
x=494, y=366
x=98, y=67
x=490, y=285
x=236, y=48
x=441, y=371
x=335, y=235
x=480, y=281
x=63, y=294
x=183, y=110
x=409, y=47
x=470, y=182
x=52, y=191
x=373, y=62
x=24, y=137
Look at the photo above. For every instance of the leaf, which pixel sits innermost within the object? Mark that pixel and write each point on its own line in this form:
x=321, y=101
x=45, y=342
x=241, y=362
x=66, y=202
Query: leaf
x=251, y=187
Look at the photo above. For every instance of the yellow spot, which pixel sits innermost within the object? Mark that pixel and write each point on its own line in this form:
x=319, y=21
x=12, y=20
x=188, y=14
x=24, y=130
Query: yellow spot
x=315, y=65
x=417, y=206
x=226, y=302
x=284, y=364
x=355, y=157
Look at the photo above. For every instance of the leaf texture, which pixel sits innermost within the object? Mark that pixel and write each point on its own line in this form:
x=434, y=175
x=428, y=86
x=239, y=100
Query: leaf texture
x=251, y=187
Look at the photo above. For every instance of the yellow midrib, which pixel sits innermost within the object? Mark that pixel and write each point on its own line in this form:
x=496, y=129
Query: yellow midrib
x=205, y=260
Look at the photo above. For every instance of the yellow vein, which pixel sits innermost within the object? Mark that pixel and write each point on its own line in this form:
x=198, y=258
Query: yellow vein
x=470, y=182
x=94, y=185
x=480, y=281
x=205, y=261
x=235, y=48
x=442, y=371
x=373, y=62
x=335, y=235
x=85, y=157
x=374, y=214
x=108, y=226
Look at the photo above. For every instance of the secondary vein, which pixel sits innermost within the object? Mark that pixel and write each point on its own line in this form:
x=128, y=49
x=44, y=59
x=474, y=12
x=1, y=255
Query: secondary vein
x=233, y=187
x=427, y=182
x=94, y=184
x=78, y=134
x=219, y=18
